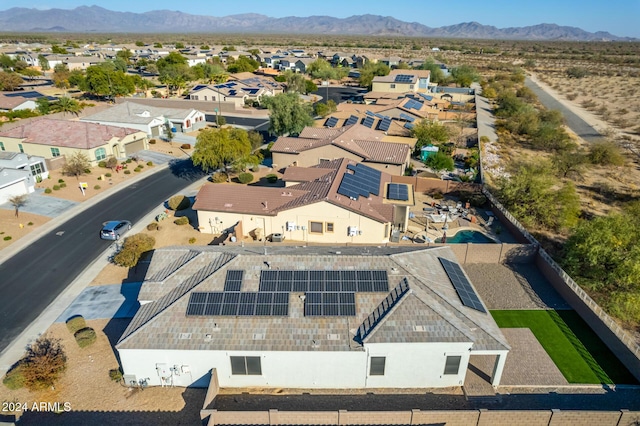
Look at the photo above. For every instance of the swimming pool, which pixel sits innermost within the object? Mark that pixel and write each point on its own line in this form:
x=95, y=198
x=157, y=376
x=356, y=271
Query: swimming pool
x=468, y=237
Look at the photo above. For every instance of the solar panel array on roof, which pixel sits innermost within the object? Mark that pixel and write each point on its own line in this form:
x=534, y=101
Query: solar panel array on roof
x=462, y=285
x=398, y=191
x=352, y=120
x=382, y=310
x=329, y=304
x=233, y=282
x=331, y=122
x=407, y=117
x=408, y=126
x=413, y=104
x=427, y=97
x=380, y=116
x=368, y=121
x=384, y=124
x=321, y=281
x=363, y=182
x=369, y=113
x=403, y=78
x=218, y=303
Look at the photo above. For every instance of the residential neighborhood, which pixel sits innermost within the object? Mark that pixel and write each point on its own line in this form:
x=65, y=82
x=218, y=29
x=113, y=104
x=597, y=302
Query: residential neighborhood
x=233, y=232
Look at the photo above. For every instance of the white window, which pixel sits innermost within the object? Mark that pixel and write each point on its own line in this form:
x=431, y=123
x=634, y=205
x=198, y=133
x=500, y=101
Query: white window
x=246, y=366
x=101, y=153
x=37, y=169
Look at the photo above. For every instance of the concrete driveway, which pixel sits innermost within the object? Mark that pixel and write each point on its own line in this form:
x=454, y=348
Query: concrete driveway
x=104, y=302
x=43, y=205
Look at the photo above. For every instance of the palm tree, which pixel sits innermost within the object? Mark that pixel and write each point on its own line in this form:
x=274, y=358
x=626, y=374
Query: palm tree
x=66, y=104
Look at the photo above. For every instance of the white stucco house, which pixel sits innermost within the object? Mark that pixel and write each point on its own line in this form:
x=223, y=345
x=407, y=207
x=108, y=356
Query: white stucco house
x=150, y=119
x=19, y=173
x=308, y=317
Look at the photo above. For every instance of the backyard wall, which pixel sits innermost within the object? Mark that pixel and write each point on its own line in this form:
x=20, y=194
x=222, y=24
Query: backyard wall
x=418, y=417
x=429, y=184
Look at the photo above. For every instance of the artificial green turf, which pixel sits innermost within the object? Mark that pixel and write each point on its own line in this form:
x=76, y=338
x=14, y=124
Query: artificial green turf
x=572, y=345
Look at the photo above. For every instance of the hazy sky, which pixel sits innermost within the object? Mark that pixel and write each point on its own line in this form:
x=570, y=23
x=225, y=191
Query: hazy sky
x=619, y=17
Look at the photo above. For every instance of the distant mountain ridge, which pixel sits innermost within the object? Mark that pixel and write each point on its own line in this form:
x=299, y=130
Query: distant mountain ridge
x=98, y=19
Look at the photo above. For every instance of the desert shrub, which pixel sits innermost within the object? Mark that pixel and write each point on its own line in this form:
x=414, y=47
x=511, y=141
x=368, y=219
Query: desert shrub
x=85, y=337
x=186, y=146
x=178, y=202
x=245, y=177
x=76, y=323
x=140, y=166
x=102, y=164
x=577, y=72
x=128, y=160
x=107, y=174
x=605, y=154
x=149, y=163
x=153, y=226
x=43, y=363
x=63, y=185
x=60, y=180
x=48, y=191
x=115, y=374
x=219, y=177
x=137, y=169
x=271, y=178
x=56, y=187
x=152, y=141
x=183, y=220
x=133, y=247
x=30, y=224
x=7, y=238
x=127, y=172
x=96, y=187
x=87, y=171
x=192, y=240
x=14, y=379
x=99, y=177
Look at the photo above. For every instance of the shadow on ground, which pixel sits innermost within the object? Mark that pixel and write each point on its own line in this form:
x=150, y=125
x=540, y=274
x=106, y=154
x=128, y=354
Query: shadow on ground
x=185, y=169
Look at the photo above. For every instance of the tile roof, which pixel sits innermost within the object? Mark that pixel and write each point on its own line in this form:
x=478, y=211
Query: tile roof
x=303, y=174
x=71, y=134
x=271, y=201
x=431, y=311
x=130, y=112
x=356, y=138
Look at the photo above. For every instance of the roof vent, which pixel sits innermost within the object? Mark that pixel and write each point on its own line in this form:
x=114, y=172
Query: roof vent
x=258, y=336
x=184, y=336
x=228, y=205
x=421, y=328
x=333, y=337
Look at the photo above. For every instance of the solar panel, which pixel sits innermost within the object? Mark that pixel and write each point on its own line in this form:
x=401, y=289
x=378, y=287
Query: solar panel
x=329, y=304
x=368, y=121
x=331, y=122
x=380, y=116
x=384, y=124
x=363, y=182
x=352, y=120
x=462, y=285
x=407, y=117
x=369, y=113
x=233, y=281
x=413, y=104
x=382, y=310
x=408, y=126
x=427, y=97
x=403, y=78
x=397, y=191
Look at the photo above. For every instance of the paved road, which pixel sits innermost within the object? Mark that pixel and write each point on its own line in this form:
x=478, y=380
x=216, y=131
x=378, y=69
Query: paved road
x=575, y=123
x=35, y=276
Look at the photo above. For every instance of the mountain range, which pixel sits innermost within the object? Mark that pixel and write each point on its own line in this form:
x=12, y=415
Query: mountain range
x=100, y=20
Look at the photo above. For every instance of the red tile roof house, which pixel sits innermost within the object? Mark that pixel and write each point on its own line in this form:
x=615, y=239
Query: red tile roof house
x=356, y=142
x=55, y=138
x=337, y=201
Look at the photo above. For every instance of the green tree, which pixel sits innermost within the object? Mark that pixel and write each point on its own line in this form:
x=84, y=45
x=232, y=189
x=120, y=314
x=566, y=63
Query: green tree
x=288, y=114
x=295, y=82
x=76, y=164
x=256, y=139
x=139, y=43
x=429, y=132
x=569, y=163
x=439, y=161
x=321, y=69
x=605, y=153
x=67, y=105
x=309, y=86
x=243, y=64
x=464, y=75
x=44, y=63
x=43, y=105
x=133, y=248
x=208, y=72
x=58, y=50
x=44, y=362
x=125, y=55
x=179, y=45
x=30, y=72
x=535, y=198
x=173, y=58
x=371, y=70
x=436, y=73
x=61, y=76
x=10, y=81
x=323, y=109
x=6, y=62
x=217, y=148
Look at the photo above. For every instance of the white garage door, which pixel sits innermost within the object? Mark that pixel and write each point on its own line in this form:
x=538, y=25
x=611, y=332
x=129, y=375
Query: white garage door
x=17, y=188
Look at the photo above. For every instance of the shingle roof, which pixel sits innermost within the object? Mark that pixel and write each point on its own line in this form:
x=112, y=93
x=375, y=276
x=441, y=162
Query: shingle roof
x=71, y=134
x=430, y=312
x=130, y=112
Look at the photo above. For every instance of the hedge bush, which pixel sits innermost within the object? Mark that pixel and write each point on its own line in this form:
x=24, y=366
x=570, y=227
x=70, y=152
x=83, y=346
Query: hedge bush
x=56, y=187
x=75, y=323
x=85, y=337
x=48, y=191
x=149, y=163
x=115, y=374
x=192, y=240
x=271, y=178
x=133, y=248
x=153, y=226
x=102, y=164
x=183, y=220
x=107, y=174
x=14, y=379
x=40, y=367
x=178, y=202
x=245, y=177
x=60, y=180
x=127, y=172
x=96, y=187
x=219, y=177
x=7, y=238
x=137, y=169
x=63, y=185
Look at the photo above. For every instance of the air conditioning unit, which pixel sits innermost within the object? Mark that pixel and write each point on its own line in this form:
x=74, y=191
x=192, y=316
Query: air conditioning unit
x=291, y=226
x=352, y=231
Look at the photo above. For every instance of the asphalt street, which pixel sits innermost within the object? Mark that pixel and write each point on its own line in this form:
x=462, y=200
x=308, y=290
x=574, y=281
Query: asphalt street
x=575, y=123
x=35, y=276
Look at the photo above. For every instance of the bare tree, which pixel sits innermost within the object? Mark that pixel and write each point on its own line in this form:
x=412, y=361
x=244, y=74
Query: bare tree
x=18, y=201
